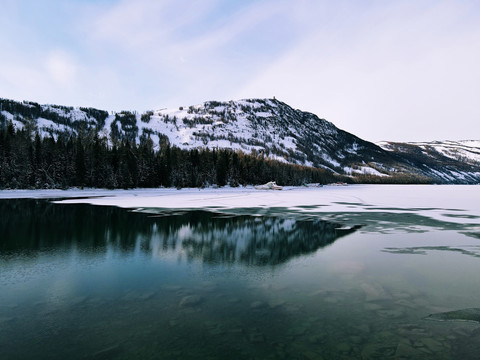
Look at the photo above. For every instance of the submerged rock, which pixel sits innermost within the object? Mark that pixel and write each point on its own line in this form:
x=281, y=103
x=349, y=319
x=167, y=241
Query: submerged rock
x=391, y=313
x=6, y=319
x=257, y=305
x=472, y=314
x=107, y=353
x=256, y=337
x=190, y=300
x=216, y=331
x=318, y=338
x=433, y=345
x=372, y=306
x=405, y=350
x=343, y=347
x=235, y=330
x=173, y=322
x=311, y=355
x=276, y=303
x=411, y=330
x=374, y=292
x=298, y=330
x=147, y=296
x=378, y=351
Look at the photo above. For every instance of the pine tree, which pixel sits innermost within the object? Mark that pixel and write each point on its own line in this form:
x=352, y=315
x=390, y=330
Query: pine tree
x=222, y=168
x=80, y=168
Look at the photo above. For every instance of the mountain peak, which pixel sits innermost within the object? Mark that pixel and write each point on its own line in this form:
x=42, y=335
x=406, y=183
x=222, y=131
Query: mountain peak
x=266, y=127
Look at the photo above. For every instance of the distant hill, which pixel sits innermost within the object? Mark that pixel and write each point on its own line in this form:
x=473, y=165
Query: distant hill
x=266, y=127
x=455, y=162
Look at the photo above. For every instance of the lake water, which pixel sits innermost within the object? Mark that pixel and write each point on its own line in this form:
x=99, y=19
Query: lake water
x=79, y=281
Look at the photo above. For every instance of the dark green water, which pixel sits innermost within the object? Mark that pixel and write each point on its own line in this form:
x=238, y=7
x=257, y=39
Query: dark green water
x=90, y=282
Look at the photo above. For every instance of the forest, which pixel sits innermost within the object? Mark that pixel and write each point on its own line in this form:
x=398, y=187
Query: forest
x=29, y=161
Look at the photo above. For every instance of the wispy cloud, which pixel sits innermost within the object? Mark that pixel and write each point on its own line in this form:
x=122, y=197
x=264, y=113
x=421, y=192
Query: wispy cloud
x=61, y=68
x=400, y=70
x=194, y=50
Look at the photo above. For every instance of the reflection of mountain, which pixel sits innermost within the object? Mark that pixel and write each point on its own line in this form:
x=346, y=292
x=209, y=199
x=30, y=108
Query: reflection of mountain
x=250, y=240
x=39, y=225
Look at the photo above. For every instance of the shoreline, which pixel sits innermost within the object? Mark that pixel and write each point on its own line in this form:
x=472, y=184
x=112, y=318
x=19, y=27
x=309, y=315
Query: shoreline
x=447, y=203
x=96, y=192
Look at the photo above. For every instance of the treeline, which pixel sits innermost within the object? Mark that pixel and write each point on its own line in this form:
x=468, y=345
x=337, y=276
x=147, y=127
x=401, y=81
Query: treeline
x=401, y=178
x=28, y=160
x=33, y=110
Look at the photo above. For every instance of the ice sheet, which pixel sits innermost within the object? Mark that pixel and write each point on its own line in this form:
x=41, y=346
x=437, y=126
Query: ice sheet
x=452, y=203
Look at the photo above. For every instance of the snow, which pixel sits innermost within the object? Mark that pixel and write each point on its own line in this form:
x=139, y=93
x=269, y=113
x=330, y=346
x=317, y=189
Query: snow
x=46, y=126
x=354, y=148
x=463, y=149
x=330, y=160
x=54, y=109
x=17, y=124
x=268, y=126
x=442, y=175
x=227, y=123
x=108, y=122
x=7, y=115
x=384, y=145
x=447, y=203
x=224, y=126
x=244, y=125
x=366, y=170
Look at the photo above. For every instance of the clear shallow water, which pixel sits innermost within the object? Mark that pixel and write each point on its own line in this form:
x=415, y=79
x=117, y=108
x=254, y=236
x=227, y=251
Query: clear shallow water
x=82, y=281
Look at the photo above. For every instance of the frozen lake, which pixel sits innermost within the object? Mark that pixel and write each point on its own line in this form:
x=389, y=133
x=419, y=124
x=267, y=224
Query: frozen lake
x=355, y=272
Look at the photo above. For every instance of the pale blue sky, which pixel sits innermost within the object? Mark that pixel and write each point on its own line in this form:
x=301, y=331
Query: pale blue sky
x=383, y=70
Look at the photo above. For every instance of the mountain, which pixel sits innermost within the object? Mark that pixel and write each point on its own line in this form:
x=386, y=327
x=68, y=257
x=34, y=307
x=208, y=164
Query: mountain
x=265, y=127
x=445, y=161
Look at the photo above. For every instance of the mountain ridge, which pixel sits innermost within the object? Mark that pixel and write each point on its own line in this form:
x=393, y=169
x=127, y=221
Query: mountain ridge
x=255, y=126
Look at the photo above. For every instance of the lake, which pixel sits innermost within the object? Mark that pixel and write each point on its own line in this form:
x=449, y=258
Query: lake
x=82, y=281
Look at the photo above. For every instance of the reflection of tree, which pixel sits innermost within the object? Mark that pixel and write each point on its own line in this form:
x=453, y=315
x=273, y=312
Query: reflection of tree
x=41, y=225
x=255, y=240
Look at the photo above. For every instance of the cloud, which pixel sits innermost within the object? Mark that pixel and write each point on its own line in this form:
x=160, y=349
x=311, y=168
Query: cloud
x=401, y=72
x=183, y=51
x=145, y=27
x=61, y=68
x=377, y=69
x=19, y=82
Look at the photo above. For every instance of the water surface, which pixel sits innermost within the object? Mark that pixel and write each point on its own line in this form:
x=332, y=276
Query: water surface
x=82, y=281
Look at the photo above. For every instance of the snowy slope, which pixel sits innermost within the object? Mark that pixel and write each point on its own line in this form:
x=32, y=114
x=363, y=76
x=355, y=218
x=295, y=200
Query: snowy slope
x=465, y=150
x=446, y=161
x=266, y=127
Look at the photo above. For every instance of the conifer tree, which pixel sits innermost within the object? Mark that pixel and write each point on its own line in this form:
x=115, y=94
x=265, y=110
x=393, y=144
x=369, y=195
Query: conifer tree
x=80, y=169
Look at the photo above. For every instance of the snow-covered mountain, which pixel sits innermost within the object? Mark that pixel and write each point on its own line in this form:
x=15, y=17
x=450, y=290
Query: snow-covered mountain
x=445, y=161
x=467, y=151
x=263, y=126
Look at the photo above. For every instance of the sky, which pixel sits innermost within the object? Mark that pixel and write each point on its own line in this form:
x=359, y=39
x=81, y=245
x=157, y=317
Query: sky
x=395, y=70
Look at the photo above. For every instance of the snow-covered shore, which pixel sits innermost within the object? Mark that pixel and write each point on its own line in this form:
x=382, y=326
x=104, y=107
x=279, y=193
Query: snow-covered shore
x=452, y=203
